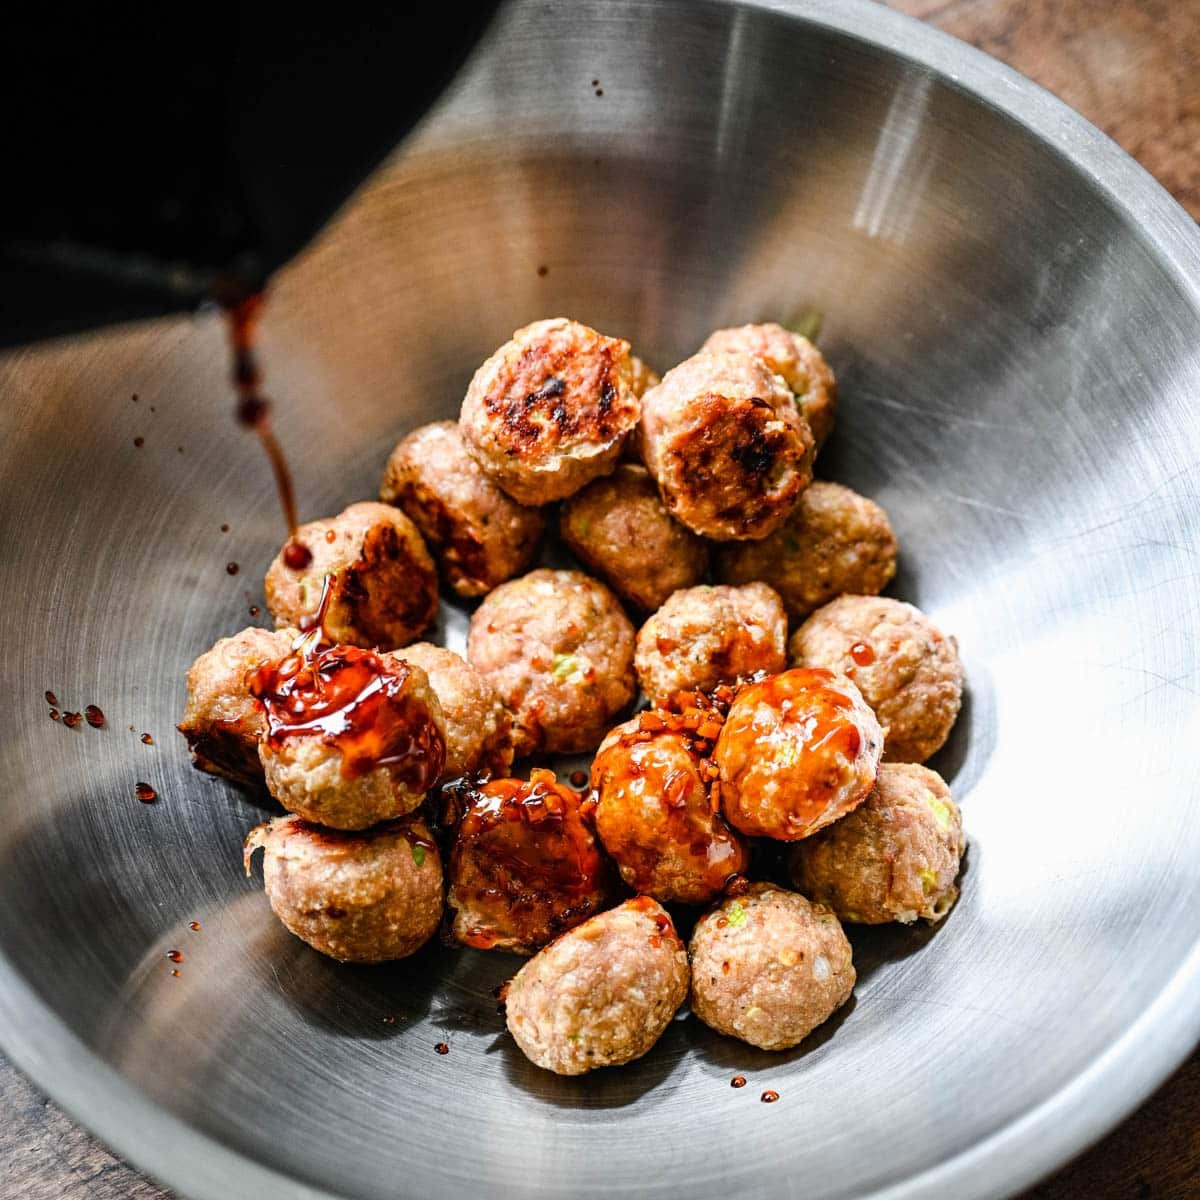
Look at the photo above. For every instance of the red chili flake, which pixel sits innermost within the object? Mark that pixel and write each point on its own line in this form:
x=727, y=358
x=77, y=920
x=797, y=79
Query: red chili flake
x=72, y=719
x=442, y=1048
x=769, y=1097
x=738, y=1081
x=94, y=715
x=145, y=793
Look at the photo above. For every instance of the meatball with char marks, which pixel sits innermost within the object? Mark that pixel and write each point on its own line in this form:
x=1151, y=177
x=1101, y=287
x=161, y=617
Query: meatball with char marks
x=479, y=536
x=550, y=410
x=525, y=865
x=383, y=585
x=364, y=897
x=796, y=752
x=907, y=669
x=727, y=446
x=619, y=528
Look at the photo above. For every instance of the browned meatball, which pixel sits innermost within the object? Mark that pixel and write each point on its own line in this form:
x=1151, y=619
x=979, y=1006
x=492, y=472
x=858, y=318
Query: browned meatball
x=796, y=359
x=796, y=752
x=549, y=411
x=705, y=636
x=654, y=813
x=478, y=726
x=907, y=669
x=601, y=995
x=559, y=651
x=222, y=721
x=479, y=535
x=352, y=737
x=359, y=897
x=525, y=865
x=727, y=446
x=895, y=858
x=768, y=967
x=383, y=586
x=833, y=541
x=620, y=528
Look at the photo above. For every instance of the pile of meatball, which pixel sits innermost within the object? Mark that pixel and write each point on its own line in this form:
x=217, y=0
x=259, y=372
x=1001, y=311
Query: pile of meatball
x=766, y=790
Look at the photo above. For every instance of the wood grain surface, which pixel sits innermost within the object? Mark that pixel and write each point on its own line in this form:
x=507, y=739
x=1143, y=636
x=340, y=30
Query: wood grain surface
x=1132, y=67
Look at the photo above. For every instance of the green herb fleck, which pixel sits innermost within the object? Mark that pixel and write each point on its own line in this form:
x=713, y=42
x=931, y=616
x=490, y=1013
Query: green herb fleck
x=418, y=853
x=736, y=914
x=940, y=809
x=929, y=880
x=807, y=323
x=565, y=665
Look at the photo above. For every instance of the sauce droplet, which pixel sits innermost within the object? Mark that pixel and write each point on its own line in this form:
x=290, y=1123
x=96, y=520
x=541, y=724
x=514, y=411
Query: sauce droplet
x=224, y=528
x=862, y=654
x=55, y=715
x=442, y=1048
x=543, y=271
x=331, y=535
x=175, y=956
x=139, y=442
x=231, y=568
x=52, y=699
x=389, y=1019
x=195, y=926
x=147, y=740
x=738, y=1081
x=145, y=793
x=579, y=779
x=255, y=610
x=94, y=715
x=71, y=719
x=296, y=555
x=175, y=974
x=769, y=1097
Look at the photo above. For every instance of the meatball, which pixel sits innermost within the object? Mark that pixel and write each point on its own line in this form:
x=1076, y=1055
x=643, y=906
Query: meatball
x=726, y=445
x=652, y=785
x=619, y=528
x=359, y=897
x=353, y=737
x=549, y=411
x=382, y=583
x=223, y=721
x=796, y=752
x=479, y=536
x=559, y=651
x=833, y=541
x=704, y=636
x=478, y=726
x=768, y=967
x=796, y=359
x=602, y=994
x=907, y=669
x=895, y=858
x=524, y=866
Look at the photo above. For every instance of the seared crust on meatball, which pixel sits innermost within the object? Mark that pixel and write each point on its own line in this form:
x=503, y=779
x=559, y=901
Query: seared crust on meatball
x=479, y=536
x=907, y=669
x=792, y=356
x=727, y=446
x=796, y=752
x=549, y=411
x=478, y=726
x=559, y=651
x=359, y=897
x=833, y=541
x=602, y=994
x=768, y=967
x=704, y=636
x=895, y=858
x=652, y=786
x=353, y=737
x=223, y=721
x=383, y=585
x=525, y=865
x=619, y=527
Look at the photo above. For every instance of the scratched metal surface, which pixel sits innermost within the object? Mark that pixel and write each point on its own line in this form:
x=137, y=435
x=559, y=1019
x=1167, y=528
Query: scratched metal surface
x=1013, y=309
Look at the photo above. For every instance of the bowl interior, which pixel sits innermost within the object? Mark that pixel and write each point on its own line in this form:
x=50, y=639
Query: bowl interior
x=1018, y=364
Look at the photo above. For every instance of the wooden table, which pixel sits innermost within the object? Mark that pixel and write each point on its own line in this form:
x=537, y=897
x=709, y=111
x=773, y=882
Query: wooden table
x=1132, y=67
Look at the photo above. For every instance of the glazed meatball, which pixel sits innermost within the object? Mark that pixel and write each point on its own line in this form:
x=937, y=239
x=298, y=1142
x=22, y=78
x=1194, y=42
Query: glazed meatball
x=222, y=721
x=833, y=541
x=907, y=669
x=796, y=752
x=768, y=967
x=382, y=582
x=524, y=866
x=479, y=536
x=801, y=365
x=359, y=897
x=352, y=737
x=705, y=636
x=619, y=528
x=651, y=780
x=549, y=411
x=559, y=651
x=478, y=726
x=602, y=994
x=895, y=858
x=727, y=446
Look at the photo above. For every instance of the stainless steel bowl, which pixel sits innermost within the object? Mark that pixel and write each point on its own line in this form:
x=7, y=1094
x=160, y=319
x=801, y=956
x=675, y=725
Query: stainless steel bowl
x=1013, y=308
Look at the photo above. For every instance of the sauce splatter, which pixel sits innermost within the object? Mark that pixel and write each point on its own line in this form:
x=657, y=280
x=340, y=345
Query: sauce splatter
x=71, y=719
x=145, y=793
x=862, y=654
x=442, y=1048
x=94, y=716
x=175, y=956
x=194, y=926
x=147, y=740
x=52, y=699
x=769, y=1097
x=231, y=568
x=738, y=1081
